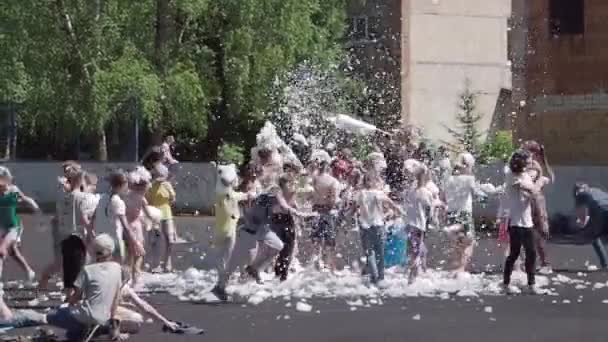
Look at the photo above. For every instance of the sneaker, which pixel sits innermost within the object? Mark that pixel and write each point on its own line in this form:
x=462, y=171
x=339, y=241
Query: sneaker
x=535, y=290
x=220, y=293
x=546, y=270
x=510, y=289
x=382, y=284
x=253, y=273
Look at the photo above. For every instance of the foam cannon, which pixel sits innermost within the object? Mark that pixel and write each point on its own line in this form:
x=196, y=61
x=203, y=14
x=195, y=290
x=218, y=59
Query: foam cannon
x=353, y=125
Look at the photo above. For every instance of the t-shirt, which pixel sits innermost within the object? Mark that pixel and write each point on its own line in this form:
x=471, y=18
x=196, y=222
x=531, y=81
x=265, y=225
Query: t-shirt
x=107, y=214
x=371, y=212
x=68, y=211
x=89, y=203
x=9, y=219
x=595, y=200
x=227, y=212
x=417, y=202
x=459, y=190
x=99, y=283
x=518, y=202
x=159, y=196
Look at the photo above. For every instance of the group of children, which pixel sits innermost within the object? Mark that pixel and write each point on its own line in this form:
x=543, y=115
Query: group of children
x=258, y=221
x=136, y=212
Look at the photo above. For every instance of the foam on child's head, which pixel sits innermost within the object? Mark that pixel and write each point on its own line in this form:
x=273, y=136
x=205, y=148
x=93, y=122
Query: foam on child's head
x=466, y=160
x=5, y=172
x=160, y=172
x=139, y=176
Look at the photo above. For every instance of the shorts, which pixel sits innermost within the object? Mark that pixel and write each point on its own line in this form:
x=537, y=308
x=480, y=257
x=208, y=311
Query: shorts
x=167, y=227
x=324, y=229
x=19, y=233
x=462, y=218
x=10, y=234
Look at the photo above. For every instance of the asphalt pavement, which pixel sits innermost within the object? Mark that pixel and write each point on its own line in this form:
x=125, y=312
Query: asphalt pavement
x=575, y=314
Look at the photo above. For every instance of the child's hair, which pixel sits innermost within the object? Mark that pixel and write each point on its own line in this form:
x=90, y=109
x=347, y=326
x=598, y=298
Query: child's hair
x=519, y=161
x=75, y=178
x=71, y=169
x=537, y=151
x=117, y=179
x=90, y=178
x=5, y=172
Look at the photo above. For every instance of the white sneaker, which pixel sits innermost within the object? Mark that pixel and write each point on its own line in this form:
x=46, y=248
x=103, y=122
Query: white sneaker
x=535, y=290
x=546, y=270
x=382, y=284
x=510, y=289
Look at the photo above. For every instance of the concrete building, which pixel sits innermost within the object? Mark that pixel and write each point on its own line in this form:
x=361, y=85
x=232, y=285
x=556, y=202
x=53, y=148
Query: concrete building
x=561, y=81
x=438, y=45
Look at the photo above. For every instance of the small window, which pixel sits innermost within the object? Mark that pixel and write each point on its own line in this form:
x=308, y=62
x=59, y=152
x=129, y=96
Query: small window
x=360, y=28
x=566, y=17
x=374, y=28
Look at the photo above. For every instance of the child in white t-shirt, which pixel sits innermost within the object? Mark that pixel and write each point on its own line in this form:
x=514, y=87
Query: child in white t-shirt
x=110, y=217
x=459, y=189
x=419, y=202
x=370, y=203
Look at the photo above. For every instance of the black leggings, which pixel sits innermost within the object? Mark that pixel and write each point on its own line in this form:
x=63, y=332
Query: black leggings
x=518, y=237
x=74, y=256
x=283, y=226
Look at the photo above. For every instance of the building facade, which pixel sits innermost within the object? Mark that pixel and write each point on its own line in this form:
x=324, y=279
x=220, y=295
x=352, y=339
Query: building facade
x=436, y=48
x=560, y=88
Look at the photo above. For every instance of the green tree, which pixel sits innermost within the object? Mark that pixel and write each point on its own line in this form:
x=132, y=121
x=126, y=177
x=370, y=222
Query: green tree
x=466, y=135
x=202, y=69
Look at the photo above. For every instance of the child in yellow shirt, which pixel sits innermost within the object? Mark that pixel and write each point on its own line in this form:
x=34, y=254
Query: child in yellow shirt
x=227, y=215
x=162, y=196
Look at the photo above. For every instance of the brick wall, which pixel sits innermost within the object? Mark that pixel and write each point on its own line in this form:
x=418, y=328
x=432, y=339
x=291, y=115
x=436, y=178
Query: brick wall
x=564, y=83
x=569, y=64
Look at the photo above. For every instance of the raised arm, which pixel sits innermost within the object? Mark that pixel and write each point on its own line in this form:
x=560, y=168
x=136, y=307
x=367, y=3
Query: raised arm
x=29, y=201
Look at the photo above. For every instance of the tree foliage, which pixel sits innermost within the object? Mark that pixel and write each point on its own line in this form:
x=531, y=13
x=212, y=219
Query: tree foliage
x=202, y=69
x=466, y=135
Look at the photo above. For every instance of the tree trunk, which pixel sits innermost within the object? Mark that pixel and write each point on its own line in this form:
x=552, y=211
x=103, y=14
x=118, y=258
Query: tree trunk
x=219, y=122
x=161, y=39
x=101, y=148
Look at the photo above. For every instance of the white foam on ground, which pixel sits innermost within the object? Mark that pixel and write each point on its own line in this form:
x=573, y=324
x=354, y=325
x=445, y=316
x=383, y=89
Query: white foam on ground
x=303, y=307
x=194, y=284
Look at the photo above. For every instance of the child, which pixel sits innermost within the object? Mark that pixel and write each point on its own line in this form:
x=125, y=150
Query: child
x=137, y=207
x=90, y=200
x=518, y=193
x=284, y=212
x=459, y=190
x=419, y=203
x=171, y=163
x=68, y=216
x=161, y=196
x=111, y=218
x=536, y=169
x=10, y=223
x=369, y=203
x=227, y=216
